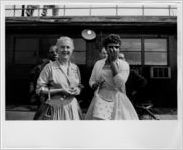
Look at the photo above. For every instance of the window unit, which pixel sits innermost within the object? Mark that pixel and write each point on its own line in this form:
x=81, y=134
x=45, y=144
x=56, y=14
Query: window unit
x=145, y=51
x=28, y=49
x=160, y=72
x=155, y=51
x=132, y=50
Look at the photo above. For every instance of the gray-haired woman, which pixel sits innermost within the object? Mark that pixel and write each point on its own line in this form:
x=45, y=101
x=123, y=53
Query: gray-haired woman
x=61, y=81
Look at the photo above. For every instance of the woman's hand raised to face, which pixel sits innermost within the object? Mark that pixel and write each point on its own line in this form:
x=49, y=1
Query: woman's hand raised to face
x=113, y=52
x=112, y=55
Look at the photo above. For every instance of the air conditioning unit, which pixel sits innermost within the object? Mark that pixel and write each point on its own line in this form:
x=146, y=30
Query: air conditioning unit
x=160, y=72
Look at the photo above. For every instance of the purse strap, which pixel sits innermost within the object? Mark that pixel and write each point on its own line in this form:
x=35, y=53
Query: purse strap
x=49, y=95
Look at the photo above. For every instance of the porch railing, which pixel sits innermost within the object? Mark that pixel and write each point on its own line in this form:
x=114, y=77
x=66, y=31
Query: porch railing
x=66, y=10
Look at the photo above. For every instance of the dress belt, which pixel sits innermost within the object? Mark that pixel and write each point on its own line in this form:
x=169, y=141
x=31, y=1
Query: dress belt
x=61, y=96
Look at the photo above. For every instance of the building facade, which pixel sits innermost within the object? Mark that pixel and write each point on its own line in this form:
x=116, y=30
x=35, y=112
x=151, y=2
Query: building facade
x=148, y=42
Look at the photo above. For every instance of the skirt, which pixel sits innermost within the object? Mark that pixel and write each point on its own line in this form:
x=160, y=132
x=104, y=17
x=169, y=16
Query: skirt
x=120, y=109
x=102, y=109
x=56, y=109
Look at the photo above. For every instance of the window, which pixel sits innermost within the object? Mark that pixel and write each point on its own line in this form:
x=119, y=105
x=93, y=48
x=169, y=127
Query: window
x=79, y=54
x=139, y=51
x=160, y=72
x=132, y=50
x=155, y=51
x=26, y=50
x=45, y=43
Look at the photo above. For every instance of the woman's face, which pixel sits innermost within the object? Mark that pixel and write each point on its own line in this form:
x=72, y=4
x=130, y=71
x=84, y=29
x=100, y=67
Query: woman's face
x=113, y=48
x=65, y=49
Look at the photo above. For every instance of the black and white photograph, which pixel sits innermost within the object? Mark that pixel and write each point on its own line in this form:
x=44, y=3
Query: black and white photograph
x=143, y=86
x=94, y=63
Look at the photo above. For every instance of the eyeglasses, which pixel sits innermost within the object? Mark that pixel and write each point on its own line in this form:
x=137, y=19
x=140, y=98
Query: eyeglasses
x=116, y=47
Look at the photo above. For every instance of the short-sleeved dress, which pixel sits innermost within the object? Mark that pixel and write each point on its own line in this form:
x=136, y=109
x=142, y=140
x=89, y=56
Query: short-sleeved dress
x=65, y=107
x=110, y=101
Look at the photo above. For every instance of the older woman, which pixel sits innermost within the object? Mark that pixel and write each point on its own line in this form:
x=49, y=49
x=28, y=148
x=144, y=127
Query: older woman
x=60, y=80
x=108, y=78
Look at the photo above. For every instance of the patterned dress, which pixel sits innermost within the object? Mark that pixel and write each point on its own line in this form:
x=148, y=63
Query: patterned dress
x=61, y=107
x=110, y=101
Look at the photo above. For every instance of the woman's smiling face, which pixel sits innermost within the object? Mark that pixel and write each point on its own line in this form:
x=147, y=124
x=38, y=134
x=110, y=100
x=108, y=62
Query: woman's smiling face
x=65, y=49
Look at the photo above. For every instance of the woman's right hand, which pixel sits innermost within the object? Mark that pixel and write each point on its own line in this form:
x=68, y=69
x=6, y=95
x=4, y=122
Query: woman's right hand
x=97, y=84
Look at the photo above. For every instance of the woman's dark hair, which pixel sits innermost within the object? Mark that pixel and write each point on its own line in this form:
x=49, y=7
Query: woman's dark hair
x=112, y=38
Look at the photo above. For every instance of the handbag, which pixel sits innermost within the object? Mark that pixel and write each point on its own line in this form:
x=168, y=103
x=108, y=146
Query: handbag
x=102, y=109
x=49, y=109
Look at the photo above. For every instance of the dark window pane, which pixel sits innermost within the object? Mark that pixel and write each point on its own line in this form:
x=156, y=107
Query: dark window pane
x=26, y=44
x=130, y=44
x=133, y=57
x=79, y=57
x=155, y=45
x=79, y=45
x=45, y=44
x=25, y=58
x=155, y=58
x=26, y=50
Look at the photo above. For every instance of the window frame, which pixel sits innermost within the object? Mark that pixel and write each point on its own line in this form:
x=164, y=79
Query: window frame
x=142, y=39
x=39, y=47
x=121, y=51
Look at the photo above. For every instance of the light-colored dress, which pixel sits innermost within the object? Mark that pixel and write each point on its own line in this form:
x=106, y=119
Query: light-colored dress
x=65, y=108
x=110, y=101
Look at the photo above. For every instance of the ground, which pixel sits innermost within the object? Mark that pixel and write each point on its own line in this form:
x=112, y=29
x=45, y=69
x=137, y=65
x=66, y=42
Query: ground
x=27, y=112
